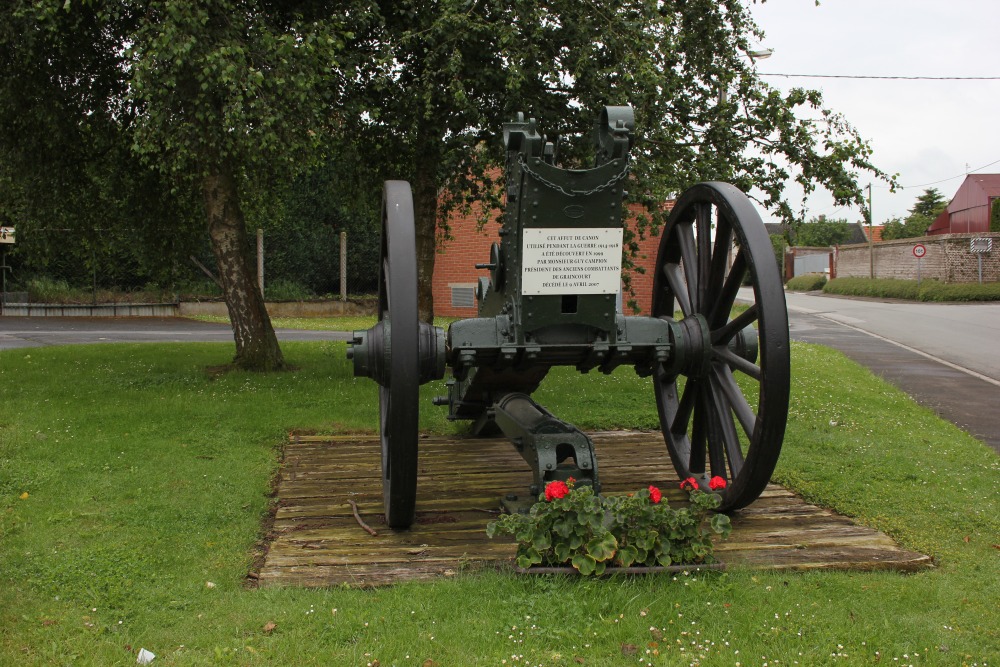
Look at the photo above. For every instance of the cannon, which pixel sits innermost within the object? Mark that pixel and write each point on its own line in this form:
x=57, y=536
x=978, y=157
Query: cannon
x=719, y=373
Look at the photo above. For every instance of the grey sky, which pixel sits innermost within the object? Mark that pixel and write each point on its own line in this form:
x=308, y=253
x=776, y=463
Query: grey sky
x=926, y=131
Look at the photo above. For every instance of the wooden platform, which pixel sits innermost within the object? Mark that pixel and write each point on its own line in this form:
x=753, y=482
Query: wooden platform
x=316, y=541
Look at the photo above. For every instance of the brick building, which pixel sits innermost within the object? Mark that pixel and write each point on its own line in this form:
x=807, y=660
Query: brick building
x=455, y=274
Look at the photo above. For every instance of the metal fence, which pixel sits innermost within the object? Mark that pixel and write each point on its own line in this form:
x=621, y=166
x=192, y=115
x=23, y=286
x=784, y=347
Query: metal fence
x=71, y=267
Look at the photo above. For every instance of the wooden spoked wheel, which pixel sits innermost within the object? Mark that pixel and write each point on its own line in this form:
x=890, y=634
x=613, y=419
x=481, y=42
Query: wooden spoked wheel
x=723, y=411
x=397, y=311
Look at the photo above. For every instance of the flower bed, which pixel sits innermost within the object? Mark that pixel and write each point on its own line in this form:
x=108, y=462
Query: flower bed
x=572, y=526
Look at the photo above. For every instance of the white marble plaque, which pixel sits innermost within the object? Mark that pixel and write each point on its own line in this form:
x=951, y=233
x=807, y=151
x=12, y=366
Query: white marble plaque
x=559, y=260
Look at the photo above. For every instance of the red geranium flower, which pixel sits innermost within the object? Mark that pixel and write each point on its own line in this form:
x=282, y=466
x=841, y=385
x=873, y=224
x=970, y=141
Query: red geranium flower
x=556, y=489
x=689, y=484
x=717, y=483
x=655, y=495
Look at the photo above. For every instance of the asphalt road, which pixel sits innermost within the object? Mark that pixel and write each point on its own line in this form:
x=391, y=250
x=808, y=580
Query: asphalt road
x=946, y=357
x=16, y=332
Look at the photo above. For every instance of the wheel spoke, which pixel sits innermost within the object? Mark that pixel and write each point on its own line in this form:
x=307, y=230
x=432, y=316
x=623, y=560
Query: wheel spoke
x=672, y=272
x=729, y=449
x=684, y=408
x=739, y=363
x=737, y=401
x=727, y=297
x=725, y=334
x=689, y=256
x=720, y=260
x=699, y=431
x=703, y=229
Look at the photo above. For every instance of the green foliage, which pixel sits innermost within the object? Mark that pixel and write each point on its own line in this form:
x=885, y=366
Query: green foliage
x=443, y=77
x=199, y=71
x=929, y=290
x=303, y=239
x=590, y=532
x=927, y=207
x=806, y=282
x=48, y=290
x=287, y=290
x=821, y=232
x=929, y=204
x=995, y=216
x=779, y=244
x=912, y=227
x=81, y=199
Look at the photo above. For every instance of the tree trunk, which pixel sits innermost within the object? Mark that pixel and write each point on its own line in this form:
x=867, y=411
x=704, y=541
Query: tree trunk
x=256, y=345
x=425, y=209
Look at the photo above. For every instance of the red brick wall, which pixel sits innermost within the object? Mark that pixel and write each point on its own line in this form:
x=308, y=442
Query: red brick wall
x=457, y=257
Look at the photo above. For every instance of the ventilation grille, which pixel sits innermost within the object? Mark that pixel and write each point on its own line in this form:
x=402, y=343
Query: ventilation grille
x=463, y=296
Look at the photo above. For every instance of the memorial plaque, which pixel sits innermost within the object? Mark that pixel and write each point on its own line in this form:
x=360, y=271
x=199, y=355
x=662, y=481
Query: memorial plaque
x=560, y=260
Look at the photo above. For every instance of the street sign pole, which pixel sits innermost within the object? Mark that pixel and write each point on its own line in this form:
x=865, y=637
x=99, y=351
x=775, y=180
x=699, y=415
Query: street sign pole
x=7, y=236
x=980, y=246
x=919, y=251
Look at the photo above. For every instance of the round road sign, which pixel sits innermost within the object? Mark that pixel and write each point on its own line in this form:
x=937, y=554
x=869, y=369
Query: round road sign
x=919, y=251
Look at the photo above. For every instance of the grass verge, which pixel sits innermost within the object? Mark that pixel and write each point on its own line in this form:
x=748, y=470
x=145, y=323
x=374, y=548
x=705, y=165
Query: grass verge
x=129, y=478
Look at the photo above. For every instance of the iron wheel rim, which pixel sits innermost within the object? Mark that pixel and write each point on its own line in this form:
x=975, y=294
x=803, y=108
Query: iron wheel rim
x=701, y=422
x=397, y=309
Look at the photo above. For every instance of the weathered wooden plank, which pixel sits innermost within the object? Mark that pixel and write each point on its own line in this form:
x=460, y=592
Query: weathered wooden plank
x=317, y=542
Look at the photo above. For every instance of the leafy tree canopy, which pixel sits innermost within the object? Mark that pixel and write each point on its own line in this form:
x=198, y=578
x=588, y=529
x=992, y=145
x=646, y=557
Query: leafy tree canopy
x=228, y=99
x=821, y=232
x=444, y=76
x=929, y=204
x=927, y=207
x=224, y=101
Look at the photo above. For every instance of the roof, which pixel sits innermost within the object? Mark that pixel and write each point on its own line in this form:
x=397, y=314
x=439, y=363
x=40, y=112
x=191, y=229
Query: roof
x=990, y=183
x=968, y=206
x=858, y=234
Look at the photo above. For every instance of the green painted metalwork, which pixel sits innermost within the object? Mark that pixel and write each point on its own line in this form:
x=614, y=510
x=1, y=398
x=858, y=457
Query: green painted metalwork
x=550, y=299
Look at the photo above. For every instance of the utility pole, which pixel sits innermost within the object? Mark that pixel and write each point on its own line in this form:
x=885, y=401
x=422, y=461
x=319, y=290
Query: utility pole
x=871, y=240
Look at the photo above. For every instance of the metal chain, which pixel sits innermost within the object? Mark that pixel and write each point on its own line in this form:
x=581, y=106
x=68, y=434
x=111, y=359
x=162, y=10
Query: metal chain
x=572, y=193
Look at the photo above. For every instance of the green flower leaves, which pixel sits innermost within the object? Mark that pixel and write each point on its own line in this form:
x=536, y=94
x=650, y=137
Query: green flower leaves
x=571, y=525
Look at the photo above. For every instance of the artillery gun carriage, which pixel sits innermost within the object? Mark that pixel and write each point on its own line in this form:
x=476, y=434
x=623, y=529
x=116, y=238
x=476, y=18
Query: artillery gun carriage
x=720, y=375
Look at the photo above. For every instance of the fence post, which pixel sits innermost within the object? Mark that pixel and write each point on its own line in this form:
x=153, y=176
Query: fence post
x=260, y=260
x=343, y=266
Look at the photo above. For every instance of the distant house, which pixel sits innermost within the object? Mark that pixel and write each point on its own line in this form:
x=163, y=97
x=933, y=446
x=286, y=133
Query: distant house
x=969, y=210
x=876, y=234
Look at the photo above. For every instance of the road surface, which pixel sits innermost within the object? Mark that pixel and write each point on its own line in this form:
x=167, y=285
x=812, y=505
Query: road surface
x=946, y=356
x=16, y=332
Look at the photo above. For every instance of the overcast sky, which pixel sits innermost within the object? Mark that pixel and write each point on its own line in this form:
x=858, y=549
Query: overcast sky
x=929, y=132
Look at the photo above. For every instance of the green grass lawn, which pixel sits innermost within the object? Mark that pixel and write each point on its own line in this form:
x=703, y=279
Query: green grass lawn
x=130, y=478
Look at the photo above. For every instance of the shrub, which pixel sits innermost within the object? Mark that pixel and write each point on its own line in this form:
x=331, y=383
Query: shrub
x=935, y=291
x=882, y=288
x=287, y=290
x=807, y=282
x=929, y=290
